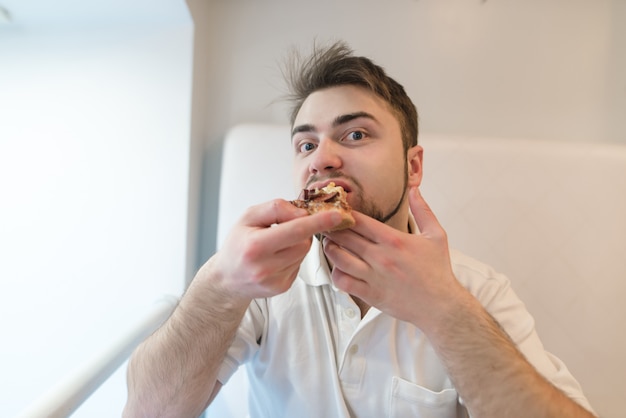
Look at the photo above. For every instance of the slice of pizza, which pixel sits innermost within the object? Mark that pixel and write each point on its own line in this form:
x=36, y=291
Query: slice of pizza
x=330, y=197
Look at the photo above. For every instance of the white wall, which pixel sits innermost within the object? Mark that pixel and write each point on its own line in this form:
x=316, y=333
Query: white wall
x=94, y=175
x=497, y=68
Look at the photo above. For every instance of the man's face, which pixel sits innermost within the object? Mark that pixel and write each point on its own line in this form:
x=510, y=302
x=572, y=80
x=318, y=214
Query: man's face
x=348, y=135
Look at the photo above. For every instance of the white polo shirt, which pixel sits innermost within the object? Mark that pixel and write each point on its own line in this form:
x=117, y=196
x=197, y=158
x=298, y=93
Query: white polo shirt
x=308, y=353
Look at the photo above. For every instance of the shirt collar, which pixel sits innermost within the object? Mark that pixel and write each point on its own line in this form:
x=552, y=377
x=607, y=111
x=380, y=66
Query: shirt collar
x=314, y=268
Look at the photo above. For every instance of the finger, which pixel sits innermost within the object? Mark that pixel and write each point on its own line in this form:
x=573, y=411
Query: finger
x=350, y=284
x=274, y=212
x=345, y=260
x=342, y=247
x=286, y=234
x=285, y=264
x=422, y=213
x=365, y=226
x=291, y=257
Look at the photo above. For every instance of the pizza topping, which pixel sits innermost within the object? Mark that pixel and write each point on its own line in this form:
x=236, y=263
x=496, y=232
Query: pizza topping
x=330, y=197
x=317, y=195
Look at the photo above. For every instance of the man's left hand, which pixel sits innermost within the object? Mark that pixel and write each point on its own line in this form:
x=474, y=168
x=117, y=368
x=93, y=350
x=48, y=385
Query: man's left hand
x=408, y=276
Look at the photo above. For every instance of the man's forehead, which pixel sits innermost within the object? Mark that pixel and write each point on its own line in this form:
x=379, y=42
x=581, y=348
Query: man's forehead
x=330, y=104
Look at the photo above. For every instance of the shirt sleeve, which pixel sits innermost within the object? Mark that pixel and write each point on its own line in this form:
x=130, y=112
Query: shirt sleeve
x=495, y=293
x=246, y=341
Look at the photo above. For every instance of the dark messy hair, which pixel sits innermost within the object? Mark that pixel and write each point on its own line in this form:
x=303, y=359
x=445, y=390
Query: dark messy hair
x=336, y=65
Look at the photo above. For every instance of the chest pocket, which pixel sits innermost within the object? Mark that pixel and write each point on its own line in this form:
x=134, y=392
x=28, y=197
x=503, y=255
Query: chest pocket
x=411, y=400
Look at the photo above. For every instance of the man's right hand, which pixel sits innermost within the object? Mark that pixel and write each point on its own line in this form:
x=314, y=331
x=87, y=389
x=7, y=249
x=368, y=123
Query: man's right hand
x=262, y=254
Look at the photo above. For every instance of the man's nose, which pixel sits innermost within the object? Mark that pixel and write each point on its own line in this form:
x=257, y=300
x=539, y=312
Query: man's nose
x=326, y=157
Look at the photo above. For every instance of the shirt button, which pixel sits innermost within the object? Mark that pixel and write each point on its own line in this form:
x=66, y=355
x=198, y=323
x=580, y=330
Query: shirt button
x=350, y=313
x=354, y=349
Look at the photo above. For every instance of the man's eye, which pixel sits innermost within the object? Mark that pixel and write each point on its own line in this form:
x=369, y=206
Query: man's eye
x=307, y=146
x=356, y=135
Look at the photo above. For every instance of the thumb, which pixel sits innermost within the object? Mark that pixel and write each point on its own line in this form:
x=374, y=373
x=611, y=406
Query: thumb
x=422, y=213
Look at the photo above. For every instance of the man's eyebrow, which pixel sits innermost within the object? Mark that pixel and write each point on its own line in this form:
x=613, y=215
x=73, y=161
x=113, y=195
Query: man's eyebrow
x=339, y=120
x=302, y=128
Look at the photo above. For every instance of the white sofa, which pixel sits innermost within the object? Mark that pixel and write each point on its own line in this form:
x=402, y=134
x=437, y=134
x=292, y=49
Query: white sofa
x=550, y=215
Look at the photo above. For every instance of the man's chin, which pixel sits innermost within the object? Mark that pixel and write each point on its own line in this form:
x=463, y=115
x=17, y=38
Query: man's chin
x=372, y=213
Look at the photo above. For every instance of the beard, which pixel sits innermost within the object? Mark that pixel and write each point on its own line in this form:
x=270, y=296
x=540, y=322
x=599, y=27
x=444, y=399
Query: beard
x=365, y=204
x=368, y=207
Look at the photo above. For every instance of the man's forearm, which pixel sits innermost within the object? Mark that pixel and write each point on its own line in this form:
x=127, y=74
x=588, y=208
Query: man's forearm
x=173, y=372
x=491, y=375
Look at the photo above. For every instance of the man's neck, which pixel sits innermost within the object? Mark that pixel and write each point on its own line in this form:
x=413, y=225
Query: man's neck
x=363, y=307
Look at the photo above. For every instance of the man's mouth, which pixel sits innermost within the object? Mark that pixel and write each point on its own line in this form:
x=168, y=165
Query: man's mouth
x=338, y=182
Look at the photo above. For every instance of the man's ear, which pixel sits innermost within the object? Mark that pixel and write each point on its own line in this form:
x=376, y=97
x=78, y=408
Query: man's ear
x=414, y=162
